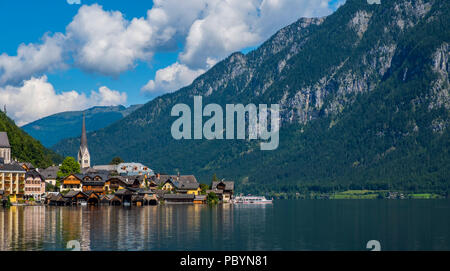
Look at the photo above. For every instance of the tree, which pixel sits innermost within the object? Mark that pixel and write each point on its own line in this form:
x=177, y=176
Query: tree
x=212, y=198
x=116, y=160
x=50, y=188
x=69, y=166
x=214, y=178
x=203, y=188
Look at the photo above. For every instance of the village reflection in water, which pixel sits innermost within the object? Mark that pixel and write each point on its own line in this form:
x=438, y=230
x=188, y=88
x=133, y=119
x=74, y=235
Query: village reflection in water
x=110, y=228
x=284, y=225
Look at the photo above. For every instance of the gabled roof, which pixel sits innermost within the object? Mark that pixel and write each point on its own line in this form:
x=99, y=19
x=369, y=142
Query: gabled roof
x=12, y=168
x=73, y=193
x=187, y=179
x=187, y=186
x=34, y=174
x=229, y=185
x=183, y=182
x=50, y=172
x=4, y=142
x=56, y=197
x=92, y=176
x=127, y=180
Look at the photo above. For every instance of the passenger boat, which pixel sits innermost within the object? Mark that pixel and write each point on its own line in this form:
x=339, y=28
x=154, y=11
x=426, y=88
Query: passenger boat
x=252, y=200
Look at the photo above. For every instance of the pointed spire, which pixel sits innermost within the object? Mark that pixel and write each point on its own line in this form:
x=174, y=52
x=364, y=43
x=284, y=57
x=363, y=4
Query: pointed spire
x=83, y=133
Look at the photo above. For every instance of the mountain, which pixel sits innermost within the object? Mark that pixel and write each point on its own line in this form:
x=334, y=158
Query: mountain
x=52, y=129
x=25, y=148
x=364, y=97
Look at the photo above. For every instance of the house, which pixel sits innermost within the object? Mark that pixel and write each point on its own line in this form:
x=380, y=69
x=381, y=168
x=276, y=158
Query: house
x=200, y=199
x=150, y=199
x=115, y=201
x=5, y=148
x=76, y=198
x=133, y=169
x=125, y=196
x=137, y=200
x=115, y=183
x=188, y=188
x=50, y=174
x=72, y=182
x=12, y=181
x=227, y=188
x=179, y=198
x=34, y=185
x=148, y=196
x=93, y=198
x=184, y=184
x=56, y=200
x=93, y=183
x=169, y=185
x=106, y=199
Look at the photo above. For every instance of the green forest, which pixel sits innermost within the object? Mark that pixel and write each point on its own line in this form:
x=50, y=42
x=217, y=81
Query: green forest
x=24, y=148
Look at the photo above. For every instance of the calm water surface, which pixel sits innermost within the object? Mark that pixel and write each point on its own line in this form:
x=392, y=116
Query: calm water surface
x=285, y=225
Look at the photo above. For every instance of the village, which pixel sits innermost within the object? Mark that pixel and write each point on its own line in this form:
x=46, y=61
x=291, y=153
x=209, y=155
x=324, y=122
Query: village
x=121, y=184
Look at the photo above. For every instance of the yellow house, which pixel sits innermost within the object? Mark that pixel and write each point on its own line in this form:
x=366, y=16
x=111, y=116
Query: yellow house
x=168, y=186
x=194, y=191
x=12, y=181
x=184, y=184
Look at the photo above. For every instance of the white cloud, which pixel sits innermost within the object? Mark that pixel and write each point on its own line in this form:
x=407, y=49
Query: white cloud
x=37, y=98
x=232, y=25
x=32, y=59
x=223, y=27
x=106, y=43
x=172, y=78
x=74, y=2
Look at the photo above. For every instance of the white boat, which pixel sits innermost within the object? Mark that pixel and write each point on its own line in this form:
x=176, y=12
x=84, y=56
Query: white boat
x=252, y=200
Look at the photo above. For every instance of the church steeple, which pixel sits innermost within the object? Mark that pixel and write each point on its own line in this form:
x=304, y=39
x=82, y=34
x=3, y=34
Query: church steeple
x=84, y=158
x=83, y=133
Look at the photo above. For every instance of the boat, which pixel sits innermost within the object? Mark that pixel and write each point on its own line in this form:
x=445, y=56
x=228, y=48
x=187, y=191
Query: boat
x=252, y=200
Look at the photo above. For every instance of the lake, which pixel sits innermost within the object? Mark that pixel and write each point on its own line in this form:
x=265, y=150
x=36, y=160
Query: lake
x=285, y=225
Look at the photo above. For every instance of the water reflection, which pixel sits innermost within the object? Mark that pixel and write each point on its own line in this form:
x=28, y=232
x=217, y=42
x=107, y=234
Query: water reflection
x=286, y=225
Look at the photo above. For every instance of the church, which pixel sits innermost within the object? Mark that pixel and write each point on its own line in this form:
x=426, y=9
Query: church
x=84, y=158
x=5, y=149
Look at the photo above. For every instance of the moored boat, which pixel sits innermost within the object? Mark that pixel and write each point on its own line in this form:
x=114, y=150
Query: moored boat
x=252, y=200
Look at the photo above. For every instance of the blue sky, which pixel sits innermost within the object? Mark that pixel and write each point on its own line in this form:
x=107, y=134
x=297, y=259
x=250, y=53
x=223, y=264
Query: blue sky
x=27, y=25
x=74, y=56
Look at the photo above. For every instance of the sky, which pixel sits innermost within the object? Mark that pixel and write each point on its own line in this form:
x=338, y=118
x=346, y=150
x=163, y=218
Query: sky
x=65, y=55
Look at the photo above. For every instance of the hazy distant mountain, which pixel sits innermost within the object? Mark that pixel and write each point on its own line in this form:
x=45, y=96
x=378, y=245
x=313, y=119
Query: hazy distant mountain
x=364, y=97
x=52, y=129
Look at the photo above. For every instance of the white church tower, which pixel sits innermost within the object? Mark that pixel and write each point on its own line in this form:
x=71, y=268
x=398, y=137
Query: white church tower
x=84, y=158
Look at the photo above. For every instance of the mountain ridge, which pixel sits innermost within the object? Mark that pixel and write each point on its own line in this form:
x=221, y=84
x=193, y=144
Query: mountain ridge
x=361, y=90
x=54, y=128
